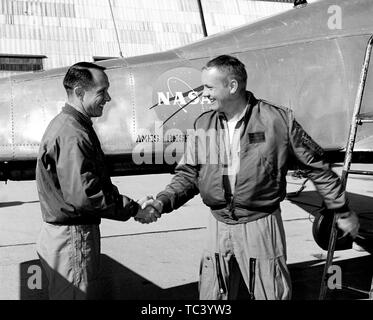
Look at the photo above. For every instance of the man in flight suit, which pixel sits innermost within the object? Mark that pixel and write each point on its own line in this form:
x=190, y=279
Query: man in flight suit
x=75, y=189
x=237, y=160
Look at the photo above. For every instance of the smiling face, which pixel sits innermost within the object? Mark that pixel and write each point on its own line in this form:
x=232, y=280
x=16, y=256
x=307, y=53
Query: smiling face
x=96, y=96
x=216, y=88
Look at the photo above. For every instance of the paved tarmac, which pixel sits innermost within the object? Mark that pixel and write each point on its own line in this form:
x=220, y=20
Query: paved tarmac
x=161, y=260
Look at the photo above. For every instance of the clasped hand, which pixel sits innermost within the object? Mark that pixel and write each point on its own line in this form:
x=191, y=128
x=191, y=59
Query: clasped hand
x=150, y=210
x=348, y=222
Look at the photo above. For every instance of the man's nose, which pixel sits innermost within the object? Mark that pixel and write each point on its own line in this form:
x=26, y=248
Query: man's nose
x=107, y=98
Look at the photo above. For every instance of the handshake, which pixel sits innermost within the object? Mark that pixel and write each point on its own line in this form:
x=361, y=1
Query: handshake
x=150, y=210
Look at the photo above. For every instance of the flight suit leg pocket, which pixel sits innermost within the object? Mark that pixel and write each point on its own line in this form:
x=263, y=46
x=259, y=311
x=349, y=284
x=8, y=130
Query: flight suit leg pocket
x=208, y=283
x=282, y=280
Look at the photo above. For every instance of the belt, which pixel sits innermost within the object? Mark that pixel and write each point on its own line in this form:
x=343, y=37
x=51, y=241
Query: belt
x=267, y=209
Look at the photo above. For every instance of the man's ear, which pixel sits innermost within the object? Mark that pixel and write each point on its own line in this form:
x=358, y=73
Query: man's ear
x=233, y=85
x=79, y=92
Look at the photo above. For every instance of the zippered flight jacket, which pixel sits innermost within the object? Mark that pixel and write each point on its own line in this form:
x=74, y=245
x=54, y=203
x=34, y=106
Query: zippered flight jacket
x=73, y=182
x=270, y=138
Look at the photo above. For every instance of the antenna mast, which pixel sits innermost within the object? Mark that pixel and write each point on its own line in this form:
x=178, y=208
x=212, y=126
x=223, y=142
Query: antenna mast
x=115, y=28
x=202, y=18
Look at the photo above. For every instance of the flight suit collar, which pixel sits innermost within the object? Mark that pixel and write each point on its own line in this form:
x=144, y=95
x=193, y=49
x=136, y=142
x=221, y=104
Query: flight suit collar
x=251, y=102
x=80, y=117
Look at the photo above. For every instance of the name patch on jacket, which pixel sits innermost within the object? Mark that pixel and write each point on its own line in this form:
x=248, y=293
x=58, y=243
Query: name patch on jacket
x=257, y=137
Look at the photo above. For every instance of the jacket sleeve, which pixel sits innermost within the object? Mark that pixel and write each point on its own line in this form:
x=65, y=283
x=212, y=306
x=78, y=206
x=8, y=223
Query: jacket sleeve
x=184, y=184
x=85, y=184
x=310, y=156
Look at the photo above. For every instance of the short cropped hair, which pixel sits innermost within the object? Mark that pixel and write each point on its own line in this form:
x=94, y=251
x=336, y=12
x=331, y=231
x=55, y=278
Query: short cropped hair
x=231, y=65
x=80, y=74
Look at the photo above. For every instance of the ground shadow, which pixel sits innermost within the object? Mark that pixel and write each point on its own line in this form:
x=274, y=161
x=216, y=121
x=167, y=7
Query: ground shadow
x=33, y=283
x=118, y=282
x=356, y=274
